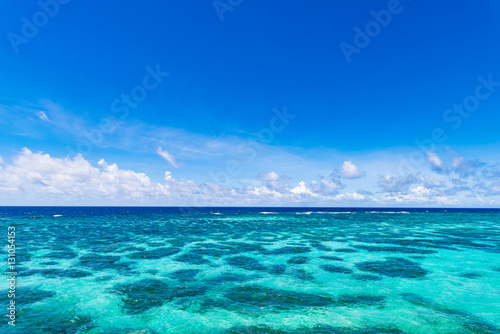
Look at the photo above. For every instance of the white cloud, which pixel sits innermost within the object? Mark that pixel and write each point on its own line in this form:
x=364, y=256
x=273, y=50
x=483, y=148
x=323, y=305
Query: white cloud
x=437, y=164
x=40, y=174
x=431, y=182
x=391, y=183
x=464, y=168
x=456, y=162
x=444, y=200
x=272, y=180
x=326, y=187
x=421, y=191
x=43, y=116
x=350, y=170
x=40, y=179
x=169, y=157
x=350, y=197
x=302, y=189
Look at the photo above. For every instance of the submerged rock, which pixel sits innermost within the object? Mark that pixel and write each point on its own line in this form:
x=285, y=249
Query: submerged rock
x=142, y=295
x=184, y=274
x=288, y=250
x=471, y=275
x=245, y=262
x=261, y=297
x=157, y=253
x=394, y=267
x=336, y=269
x=332, y=258
x=298, y=260
x=192, y=258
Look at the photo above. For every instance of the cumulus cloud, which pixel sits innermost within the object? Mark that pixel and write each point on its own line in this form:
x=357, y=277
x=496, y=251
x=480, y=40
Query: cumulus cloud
x=327, y=186
x=41, y=179
x=495, y=188
x=419, y=195
x=39, y=176
x=436, y=163
x=466, y=168
x=350, y=170
x=391, y=183
x=37, y=173
x=168, y=157
x=431, y=182
x=350, y=197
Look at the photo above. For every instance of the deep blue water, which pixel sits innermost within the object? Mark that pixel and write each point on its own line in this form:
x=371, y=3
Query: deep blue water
x=254, y=270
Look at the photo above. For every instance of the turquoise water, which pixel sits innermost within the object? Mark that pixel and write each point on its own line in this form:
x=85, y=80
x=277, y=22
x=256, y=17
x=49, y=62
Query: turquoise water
x=154, y=270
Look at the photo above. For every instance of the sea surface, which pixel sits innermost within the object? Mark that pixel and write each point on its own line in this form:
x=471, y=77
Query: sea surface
x=253, y=270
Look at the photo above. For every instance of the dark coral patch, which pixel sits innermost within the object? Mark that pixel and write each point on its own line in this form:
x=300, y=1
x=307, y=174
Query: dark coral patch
x=142, y=295
x=245, y=262
x=259, y=329
x=98, y=262
x=261, y=297
x=48, y=320
x=27, y=295
x=469, y=321
x=56, y=273
x=298, y=260
x=319, y=329
x=395, y=249
x=277, y=269
x=66, y=254
x=346, y=250
x=274, y=298
x=49, y=263
x=242, y=247
x=184, y=274
x=336, y=269
x=303, y=275
x=288, y=250
x=192, y=258
x=157, y=253
x=470, y=275
x=362, y=277
x=227, y=277
x=332, y=258
x=320, y=246
x=394, y=267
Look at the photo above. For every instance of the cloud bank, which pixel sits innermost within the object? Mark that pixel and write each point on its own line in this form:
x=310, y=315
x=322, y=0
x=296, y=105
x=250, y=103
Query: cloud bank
x=40, y=179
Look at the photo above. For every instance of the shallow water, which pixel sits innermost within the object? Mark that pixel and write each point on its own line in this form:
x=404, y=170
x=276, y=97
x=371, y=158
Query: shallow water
x=171, y=270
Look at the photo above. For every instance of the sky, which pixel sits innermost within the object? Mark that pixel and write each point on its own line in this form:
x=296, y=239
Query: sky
x=250, y=103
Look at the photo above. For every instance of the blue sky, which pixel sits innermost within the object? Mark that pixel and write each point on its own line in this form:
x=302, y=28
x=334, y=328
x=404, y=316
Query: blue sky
x=196, y=98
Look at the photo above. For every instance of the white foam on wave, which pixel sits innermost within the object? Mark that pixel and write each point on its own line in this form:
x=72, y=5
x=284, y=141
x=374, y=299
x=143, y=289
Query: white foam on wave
x=58, y=215
x=216, y=213
x=386, y=212
x=268, y=213
x=334, y=212
x=303, y=213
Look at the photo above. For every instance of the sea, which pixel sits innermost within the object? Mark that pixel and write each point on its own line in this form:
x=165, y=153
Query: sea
x=150, y=270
